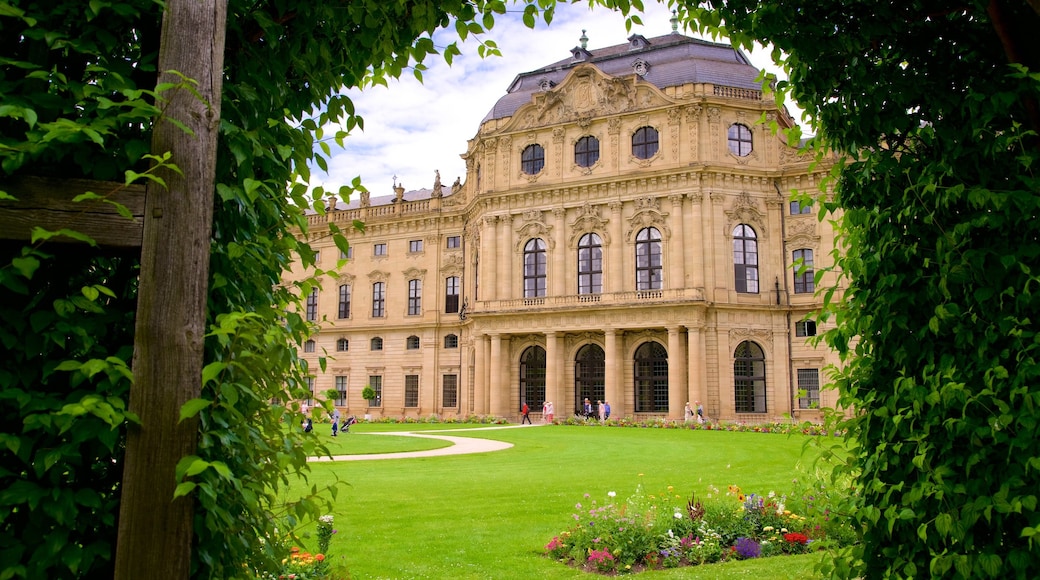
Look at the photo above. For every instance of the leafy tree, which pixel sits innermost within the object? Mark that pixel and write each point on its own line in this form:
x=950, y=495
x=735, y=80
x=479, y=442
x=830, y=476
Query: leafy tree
x=933, y=107
x=79, y=99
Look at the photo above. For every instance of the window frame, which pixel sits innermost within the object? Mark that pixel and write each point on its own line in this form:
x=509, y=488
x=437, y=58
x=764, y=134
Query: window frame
x=811, y=400
x=344, y=301
x=535, y=268
x=745, y=275
x=376, y=343
x=412, y=343
x=312, y=305
x=532, y=159
x=590, y=264
x=451, y=341
x=749, y=388
x=411, y=391
x=342, y=345
x=586, y=151
x=378, y=299
x=310, y=346
x=453, y=242
x=379, y=249
x=646, y=142
x=805, y=328
x=341, y=390
x=452, y=285
x=415, y=297
x=804, y=279
x=415, y=246
x=376, y=382
x=737, y=137
x=451, y=402
x=649, y=249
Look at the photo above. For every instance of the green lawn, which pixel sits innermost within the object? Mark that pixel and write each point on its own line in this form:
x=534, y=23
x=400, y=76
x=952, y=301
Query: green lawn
x=489, y=515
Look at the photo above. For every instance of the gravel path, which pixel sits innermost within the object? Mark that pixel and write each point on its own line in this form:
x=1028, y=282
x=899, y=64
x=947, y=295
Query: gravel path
x=459, y=446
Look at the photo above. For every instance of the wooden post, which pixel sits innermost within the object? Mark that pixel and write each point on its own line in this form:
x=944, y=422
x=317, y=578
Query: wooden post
x=155, y=531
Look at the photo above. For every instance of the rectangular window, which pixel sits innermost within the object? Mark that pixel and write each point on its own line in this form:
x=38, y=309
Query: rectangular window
x=808, y=388
x=376, y=382
x=797, y=207
x=450, y=391
x=378, y=299
x=312, y=305
x=414, y=297
x=454, y=242
x=342, y=345
x=411, y=391
x=451, y=295
x=379, y=249
x=308, y=346
x=344, y=301
x=803, y=272
x=341, y=391
x=414, y=246
x=805, y=328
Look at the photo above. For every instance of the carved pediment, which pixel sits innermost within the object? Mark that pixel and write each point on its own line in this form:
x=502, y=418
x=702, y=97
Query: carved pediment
x=587, y=93
x=745, y=211
x=588, y=221
x=378, y=276
x=414, y=273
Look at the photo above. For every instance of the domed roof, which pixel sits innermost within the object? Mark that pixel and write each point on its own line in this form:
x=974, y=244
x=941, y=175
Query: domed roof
x=664, y=61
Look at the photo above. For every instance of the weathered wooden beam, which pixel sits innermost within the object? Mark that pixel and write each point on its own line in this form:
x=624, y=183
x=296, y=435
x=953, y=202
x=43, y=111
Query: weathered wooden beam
x=47, y=203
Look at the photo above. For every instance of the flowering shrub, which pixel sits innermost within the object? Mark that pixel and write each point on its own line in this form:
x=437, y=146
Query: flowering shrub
x=664, y=530
x=304, y=565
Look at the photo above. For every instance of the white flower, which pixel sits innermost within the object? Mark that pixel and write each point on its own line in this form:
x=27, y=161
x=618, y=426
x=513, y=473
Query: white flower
x=772, y=494
x=327, y=519
x=678, y=516
x=670, y=534
x=611, y=494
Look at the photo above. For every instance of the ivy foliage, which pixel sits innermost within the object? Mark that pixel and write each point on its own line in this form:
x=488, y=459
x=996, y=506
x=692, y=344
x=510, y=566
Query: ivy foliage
x=933, y=107
x=78, y=99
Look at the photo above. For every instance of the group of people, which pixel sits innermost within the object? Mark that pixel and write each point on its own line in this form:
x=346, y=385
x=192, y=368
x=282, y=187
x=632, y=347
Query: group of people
x=697, y=411
x=308, y=423
x=602, y=410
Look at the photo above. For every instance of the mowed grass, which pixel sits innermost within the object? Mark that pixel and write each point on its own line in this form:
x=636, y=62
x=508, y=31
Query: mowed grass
x=489, y=515
x=358, y=441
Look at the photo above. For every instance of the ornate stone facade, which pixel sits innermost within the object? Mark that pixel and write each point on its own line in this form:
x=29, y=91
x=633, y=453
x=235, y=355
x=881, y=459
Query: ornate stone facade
x=624, y=232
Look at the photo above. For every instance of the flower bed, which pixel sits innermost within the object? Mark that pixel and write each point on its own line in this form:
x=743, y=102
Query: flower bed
x=662, y=530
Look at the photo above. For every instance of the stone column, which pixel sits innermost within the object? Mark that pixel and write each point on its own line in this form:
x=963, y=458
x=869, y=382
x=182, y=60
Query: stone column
x=695, y=347
x=480, y=375
x=614, y=277
x=677, y=389
x=552, y=368
x=498, y=389
x=489, y=260
x=612, y=382
x=558, y=256
x=503, y=259
x=676, y=245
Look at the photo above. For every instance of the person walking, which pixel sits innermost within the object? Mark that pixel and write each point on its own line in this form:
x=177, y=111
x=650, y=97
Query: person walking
x=586, y=409
x=688, y=413
x=552, y=411
x=526, y=411
x=545, y=411
x=601, y=411
x=700, y=412
x=606, y=410
x=335, y=421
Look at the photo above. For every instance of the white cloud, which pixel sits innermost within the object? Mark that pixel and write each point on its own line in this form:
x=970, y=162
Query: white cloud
x=413, y=128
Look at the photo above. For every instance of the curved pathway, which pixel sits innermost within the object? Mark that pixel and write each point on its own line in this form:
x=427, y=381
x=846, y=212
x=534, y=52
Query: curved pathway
x=459, y=446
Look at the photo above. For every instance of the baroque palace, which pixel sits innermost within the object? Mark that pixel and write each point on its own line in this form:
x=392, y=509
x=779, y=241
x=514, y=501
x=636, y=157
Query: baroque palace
x=625, y=232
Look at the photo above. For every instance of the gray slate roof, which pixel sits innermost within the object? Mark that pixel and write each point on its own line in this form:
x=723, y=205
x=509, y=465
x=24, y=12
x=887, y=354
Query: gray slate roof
x=673, y=59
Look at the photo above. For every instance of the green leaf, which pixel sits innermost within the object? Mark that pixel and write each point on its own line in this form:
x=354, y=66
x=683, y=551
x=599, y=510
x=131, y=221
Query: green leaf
x=193, y=407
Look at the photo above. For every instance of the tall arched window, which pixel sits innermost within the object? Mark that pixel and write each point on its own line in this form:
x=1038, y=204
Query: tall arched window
x=739, y=140
x=532, y=160
x=590, y=264
x=745, y=259
x=648, y=259
x=589, y=373
x=534, y=268
x=651, y=378
x=532, y=377
x=645, y=142
x=803, y=271
x=378, y=299
x=586, y=151
x=749, y=378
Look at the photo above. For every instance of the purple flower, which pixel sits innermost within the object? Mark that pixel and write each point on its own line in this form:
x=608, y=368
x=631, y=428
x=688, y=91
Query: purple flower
x=747, y=548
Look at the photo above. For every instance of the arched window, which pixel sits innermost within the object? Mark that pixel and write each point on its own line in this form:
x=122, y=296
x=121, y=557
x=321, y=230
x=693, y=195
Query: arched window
x=534, y=268
x=451, y=295
x=745, y=259
x=589, y=373
x=532, y=377
x=590, y=264
x=803, y=272
x=532, y=160
x=451, y=341
x=648, y=259
x=378, y=299
x=377, y=343
x=644, y=142
x=414, y=297
x=342, y=345
x=308, y=346
x=412, y=342
x=739, y=140
x=586, y=151
x=749, y=378
x=651, y=378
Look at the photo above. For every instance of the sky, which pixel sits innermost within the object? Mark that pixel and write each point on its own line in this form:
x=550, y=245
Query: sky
x=412, y=128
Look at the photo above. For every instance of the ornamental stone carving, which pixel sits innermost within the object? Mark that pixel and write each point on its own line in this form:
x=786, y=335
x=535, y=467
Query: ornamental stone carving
x=745, y=211
x=414, y=274
x=378, y=276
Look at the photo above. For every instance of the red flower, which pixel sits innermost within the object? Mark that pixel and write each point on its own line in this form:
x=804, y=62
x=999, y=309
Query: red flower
x=796, y=538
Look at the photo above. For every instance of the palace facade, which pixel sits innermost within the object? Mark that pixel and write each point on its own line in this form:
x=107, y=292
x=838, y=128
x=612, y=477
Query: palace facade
x=625, y=232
